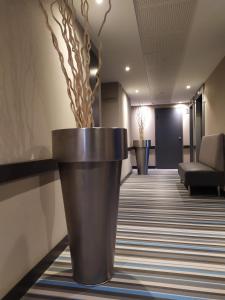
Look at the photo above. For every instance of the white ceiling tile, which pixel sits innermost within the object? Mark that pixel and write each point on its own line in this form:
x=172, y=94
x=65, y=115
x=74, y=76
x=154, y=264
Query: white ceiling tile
x=164, y=27
x=168, y=44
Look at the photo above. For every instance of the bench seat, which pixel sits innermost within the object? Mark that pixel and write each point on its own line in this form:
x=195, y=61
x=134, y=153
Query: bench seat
x=198, y=174
x=209, y=171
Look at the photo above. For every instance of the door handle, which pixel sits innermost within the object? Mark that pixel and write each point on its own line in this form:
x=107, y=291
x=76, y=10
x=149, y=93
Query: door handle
x=180, y=138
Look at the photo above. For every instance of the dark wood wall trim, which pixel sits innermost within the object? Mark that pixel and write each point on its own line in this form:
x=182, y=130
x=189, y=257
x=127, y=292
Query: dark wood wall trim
x=153, y=147
x=149, y=167
x=15, y=171
x=19, y=170
x=133, y=148
x=26, y=283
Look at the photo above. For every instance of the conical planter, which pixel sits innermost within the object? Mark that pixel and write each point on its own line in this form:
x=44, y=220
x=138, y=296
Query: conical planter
x=142, y=151
x=90, y=162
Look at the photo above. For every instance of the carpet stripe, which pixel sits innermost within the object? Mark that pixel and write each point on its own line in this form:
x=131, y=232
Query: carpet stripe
x=169, y=246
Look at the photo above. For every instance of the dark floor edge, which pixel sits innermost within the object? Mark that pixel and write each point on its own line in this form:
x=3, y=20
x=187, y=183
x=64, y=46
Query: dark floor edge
x=126, y=177
x=21, y=288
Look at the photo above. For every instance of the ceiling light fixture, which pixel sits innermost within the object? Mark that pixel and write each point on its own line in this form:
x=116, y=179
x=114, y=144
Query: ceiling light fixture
x=188, y=87
x=99, y=1
x=127, y=68
x=182, y=108
x=136, y=91
x=93, y=71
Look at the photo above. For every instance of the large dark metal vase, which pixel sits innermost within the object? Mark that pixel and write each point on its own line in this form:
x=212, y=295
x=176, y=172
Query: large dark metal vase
x=142, y=150
x=90, y=168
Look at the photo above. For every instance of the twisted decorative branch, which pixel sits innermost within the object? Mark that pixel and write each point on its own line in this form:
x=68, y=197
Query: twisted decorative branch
x=105, y=17
x=140, y=121
x=77, y=78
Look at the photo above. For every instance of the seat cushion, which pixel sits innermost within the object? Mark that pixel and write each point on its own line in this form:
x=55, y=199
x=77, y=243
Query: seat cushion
x=198, y=174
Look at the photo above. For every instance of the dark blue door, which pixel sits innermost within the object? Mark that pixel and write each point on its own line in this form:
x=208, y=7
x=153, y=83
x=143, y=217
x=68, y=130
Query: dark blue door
x=169, y=137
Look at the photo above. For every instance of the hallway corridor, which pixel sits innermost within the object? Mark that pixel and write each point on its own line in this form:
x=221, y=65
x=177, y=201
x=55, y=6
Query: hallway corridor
x=169, y=246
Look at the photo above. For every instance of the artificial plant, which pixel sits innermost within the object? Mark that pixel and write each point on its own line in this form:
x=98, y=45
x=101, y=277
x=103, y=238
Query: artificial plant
x=140, y=121
x=76, y=66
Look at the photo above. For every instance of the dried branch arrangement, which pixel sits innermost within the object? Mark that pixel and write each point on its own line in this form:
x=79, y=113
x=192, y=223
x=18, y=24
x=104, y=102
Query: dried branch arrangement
x=76, y=66
x=140, y=120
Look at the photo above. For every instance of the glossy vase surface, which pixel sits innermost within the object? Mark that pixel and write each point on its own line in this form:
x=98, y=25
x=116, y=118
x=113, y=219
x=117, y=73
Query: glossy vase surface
x=142, y=151
x=90, y=162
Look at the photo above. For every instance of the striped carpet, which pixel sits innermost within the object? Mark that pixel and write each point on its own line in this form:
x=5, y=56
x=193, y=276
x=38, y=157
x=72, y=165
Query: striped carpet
x=169, y=246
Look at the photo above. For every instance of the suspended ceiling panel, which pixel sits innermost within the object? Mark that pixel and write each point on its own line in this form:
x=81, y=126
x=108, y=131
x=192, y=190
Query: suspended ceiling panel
x=121, y=47
x=164, y=26
x=181, y=43
x=168, y=44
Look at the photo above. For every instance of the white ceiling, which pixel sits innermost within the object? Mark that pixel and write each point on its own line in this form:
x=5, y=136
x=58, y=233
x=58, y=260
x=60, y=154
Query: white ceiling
x=167, y=43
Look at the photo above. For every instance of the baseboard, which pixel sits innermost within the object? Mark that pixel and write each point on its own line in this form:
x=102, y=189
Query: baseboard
x=126, y=177
x=149, y=167
x=26, y=283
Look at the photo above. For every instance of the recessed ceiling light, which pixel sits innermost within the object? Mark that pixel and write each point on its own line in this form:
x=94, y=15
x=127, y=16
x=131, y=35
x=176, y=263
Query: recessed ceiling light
x=127, y=68
x=188, y=87
x=99, y=1
x=93, y=71
x=136, y=91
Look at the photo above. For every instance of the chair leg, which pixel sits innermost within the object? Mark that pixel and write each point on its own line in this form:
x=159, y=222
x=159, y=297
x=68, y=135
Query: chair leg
x=218, y=191
x=189, y=190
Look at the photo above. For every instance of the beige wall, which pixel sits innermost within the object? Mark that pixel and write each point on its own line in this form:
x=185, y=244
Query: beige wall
x=32, y=222
x=214, y=97
x=149, y=130
x=33, y=101
x=116, y=113
x=32, y=87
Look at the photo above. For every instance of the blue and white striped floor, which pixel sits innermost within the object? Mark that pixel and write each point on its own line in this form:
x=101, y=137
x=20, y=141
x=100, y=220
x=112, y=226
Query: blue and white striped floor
x=169, y=246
